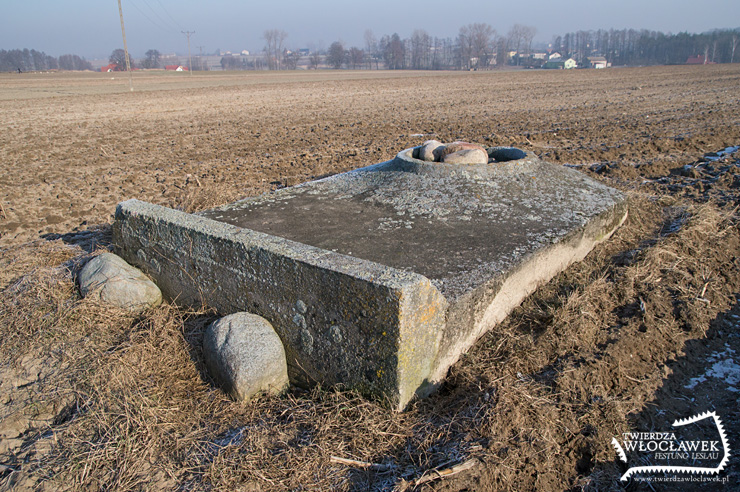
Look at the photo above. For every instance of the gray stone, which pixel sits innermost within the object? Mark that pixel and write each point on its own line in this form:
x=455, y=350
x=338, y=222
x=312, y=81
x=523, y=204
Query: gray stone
x=431, y=150
x=111, y=280
x=245, y=356
x=336, y=334
x=453, y=147
x=301, y=307
x=402, y=265
x=467, y=156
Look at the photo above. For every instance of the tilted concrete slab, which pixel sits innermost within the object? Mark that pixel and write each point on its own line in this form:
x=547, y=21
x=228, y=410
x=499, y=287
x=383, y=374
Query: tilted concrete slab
x=380, y=278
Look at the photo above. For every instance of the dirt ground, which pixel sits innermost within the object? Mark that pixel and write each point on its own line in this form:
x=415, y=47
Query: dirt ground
x=646, y=330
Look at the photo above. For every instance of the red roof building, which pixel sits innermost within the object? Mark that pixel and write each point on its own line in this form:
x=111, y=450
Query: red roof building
x=698, y=60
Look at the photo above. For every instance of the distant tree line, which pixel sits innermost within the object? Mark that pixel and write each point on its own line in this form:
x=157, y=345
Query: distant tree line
x=474, y=47
x=643, y=47
x=153, y=59
x=31, y=60
x=477, y=46
x=480, y=46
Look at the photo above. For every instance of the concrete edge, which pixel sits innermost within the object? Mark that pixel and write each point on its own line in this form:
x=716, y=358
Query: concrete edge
x=538, y=269
x=244, y=202
x=348, y=265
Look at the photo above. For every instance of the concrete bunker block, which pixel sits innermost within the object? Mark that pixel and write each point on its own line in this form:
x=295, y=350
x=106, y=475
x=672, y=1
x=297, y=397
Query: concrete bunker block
x=110, y=279
x=342, y=320
x=461, y=247
x=245, y=356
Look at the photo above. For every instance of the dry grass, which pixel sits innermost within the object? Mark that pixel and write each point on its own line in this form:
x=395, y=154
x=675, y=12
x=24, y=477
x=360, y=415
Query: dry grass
x=105, y=400
x=551, y=385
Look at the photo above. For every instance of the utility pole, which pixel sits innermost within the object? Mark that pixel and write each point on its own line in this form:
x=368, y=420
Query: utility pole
x=125, y=49
x=190, y=58
x=201, y=64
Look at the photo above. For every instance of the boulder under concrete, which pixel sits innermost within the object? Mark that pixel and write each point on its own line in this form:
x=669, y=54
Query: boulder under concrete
x=379, y=279
x=245, y=356
x=111, y=280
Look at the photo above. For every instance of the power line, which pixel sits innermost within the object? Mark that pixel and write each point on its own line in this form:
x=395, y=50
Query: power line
x=166, y=22
x=168, y=15
x=159, y=26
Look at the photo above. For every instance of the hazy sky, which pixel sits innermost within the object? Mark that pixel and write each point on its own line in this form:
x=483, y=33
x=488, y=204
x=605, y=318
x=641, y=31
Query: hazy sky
x=91, y=28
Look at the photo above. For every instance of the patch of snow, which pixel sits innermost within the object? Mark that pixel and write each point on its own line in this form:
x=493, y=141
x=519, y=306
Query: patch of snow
x=719, y=155
x=724, y=368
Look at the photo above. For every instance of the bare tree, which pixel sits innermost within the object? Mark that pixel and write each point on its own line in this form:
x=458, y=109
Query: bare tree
x=501, y=52
x=734, y=45
x=291, y=59
x=371, y=49
x=476, y=45
x=482, y=37
x=199, y=64
x=118, y=57
x=514, y=38
x=528, y=34
x=314, y=60
x=274, y=47
x=435, y=48
x=465, y=47
x=66, y=62
x=152, y=59
x=420, y=47
x=356, y=57
x=520, y=40
x=336, y=55
x=394, y=52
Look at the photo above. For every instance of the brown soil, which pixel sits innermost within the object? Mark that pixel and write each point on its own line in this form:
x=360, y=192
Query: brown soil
x=91, y=398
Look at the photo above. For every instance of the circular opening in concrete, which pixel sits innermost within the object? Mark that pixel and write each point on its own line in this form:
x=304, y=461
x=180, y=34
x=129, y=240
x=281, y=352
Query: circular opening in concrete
x=503, y=154
x=410, y=158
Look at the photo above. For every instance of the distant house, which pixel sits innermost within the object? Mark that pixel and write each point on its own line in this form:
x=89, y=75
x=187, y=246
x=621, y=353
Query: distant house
x=597, y=62
x=539, y=55
x=568, y=64
x=113, y=67
x=555, y=56
x=176, y=68
x=698, y=60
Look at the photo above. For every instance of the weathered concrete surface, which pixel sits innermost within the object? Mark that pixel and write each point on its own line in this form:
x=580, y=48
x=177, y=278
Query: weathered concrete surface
x=400, y=266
